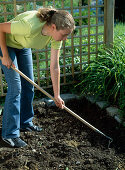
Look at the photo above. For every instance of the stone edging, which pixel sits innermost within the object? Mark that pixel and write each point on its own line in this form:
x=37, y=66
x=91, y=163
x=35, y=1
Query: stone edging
x=111, y=111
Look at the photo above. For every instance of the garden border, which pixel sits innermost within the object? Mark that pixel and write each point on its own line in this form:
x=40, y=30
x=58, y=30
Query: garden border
x=101, y=104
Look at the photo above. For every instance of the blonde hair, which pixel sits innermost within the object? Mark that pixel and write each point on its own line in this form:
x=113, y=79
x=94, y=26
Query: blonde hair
x=61, y=18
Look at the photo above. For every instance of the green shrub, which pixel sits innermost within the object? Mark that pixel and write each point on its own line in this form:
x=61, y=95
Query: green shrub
x=105, y=76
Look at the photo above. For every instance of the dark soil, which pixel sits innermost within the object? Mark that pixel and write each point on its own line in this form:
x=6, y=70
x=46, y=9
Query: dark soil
x=67, y=144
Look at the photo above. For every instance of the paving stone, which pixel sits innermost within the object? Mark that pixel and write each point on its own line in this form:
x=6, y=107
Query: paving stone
x=102, y=104
x=112, y=111
x=65, y=97
x=117, y=118
x=91, y=99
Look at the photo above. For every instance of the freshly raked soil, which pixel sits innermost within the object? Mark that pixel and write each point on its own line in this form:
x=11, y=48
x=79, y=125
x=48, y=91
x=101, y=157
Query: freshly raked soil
x=67, y=144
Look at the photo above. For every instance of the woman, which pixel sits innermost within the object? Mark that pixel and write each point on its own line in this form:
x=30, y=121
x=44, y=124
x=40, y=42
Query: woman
x=31, y=29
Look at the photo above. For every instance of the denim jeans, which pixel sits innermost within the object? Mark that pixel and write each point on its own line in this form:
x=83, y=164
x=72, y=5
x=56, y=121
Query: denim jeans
x=18, y=110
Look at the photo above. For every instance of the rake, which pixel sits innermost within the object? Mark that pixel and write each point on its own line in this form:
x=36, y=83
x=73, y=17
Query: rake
x=64, y=107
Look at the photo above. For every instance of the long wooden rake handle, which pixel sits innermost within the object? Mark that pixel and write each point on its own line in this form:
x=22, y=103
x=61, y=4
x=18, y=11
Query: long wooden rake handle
x=66, y=108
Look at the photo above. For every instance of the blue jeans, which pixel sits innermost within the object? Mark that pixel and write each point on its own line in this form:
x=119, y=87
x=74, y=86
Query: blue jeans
x=18, y=110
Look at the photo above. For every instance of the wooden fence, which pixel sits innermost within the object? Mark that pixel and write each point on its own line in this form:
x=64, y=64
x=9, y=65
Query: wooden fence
x=94, y=27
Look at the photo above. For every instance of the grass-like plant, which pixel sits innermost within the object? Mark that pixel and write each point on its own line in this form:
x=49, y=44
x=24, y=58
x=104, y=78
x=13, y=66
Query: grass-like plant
x=105, y=76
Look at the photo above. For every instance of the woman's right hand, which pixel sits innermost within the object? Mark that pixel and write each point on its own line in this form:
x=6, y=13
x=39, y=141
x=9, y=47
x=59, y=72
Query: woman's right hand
x=6, y=61
x=59, y=102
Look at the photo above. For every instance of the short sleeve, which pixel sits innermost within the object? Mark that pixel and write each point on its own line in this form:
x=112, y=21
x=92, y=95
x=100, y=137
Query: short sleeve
x=56, y=44
x=20, y=27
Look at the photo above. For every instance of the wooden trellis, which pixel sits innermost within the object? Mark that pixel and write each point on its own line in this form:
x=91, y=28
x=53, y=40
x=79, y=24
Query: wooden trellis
x=94, y=27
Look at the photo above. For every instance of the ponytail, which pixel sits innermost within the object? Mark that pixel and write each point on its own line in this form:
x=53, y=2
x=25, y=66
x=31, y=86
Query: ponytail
x=45, y=14
x=61, y=18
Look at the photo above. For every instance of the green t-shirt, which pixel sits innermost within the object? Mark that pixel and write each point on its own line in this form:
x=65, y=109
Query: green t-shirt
x=26, y=33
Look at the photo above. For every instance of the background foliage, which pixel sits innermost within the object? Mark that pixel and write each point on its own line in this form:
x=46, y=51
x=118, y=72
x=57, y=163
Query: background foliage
x=105, y=76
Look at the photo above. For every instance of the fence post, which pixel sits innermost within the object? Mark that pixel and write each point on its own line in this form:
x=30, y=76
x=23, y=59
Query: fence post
x=109, y=22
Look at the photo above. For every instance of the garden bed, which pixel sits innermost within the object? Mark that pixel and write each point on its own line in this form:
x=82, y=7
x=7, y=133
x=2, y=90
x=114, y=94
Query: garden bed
x=67, y=144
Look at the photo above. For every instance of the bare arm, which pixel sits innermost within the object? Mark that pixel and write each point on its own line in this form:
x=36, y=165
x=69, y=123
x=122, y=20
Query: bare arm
x=55, y=76
x=5, y=28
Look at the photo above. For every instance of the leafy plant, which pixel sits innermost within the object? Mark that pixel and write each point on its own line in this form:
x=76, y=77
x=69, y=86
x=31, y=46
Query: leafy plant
x=106, y=76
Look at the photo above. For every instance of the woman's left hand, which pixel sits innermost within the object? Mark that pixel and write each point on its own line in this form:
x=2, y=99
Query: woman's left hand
x=59, y=102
